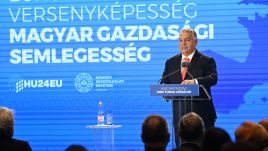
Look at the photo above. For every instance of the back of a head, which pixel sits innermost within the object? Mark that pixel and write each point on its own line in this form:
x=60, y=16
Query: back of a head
x=76, y=148
x=238, y=146
x=264, y=123
x=155, y=131
x=6, y=122
x=214, y=139
x=252, y=132
x=191, y=127
x=190, y=147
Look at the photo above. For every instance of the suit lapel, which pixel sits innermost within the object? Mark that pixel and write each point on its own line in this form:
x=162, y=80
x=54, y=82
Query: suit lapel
x=194, y=64
x=178, y=66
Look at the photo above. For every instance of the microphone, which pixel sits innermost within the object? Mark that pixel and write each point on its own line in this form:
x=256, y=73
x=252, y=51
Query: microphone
x=209, y=97
x=183, y=64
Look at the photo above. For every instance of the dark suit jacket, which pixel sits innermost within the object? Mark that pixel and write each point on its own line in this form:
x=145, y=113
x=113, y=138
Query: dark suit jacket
x=7, y=144
x=188, y=147
x=203, y=69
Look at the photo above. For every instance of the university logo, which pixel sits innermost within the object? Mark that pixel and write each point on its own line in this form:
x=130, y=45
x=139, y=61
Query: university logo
x=83, y=82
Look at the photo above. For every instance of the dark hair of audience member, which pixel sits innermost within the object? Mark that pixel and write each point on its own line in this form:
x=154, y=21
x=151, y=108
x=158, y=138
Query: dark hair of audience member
x=214, y=139
x=76, y=148
x=155, y=131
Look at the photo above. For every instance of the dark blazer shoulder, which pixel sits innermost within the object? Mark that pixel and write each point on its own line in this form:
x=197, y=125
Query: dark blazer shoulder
x=24, y=144
x=202, y=55
x=18, y=141
x=174, y=58
x=15, y=145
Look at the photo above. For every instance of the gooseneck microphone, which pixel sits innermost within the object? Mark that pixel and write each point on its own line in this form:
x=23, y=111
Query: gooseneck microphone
x=183, y=64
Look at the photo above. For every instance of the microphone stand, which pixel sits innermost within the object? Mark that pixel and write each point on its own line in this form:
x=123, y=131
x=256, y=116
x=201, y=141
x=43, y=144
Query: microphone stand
x=168, y=75
x=204, y=89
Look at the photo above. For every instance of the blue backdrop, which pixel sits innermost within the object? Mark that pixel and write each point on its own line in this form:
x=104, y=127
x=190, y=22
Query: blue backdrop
x=59, y=58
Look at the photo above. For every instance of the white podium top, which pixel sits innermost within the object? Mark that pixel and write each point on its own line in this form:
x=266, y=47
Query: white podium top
x=103, y=126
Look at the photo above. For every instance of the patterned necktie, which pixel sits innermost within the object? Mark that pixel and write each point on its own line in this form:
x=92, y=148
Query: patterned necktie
x=183, y=73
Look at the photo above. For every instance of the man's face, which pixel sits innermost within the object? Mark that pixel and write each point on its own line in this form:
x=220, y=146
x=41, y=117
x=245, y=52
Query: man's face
x=187, y=43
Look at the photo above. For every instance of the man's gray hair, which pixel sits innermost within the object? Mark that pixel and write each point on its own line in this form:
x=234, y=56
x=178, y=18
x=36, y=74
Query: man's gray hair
x=190, y=30
x=6, y=121
x=191, y=127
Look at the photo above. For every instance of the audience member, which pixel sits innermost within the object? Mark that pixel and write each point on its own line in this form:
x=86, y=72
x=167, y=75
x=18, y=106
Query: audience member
x=214, y=139
x=238, y=146
x=190, y=131
x=264, y=123
x=252, y=133
x=76, y=148
x=7, y=143
x=155, y=134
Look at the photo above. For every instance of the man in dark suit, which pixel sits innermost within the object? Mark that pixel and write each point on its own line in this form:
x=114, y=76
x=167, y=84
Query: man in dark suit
x=202, y=71
x=7, y=143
